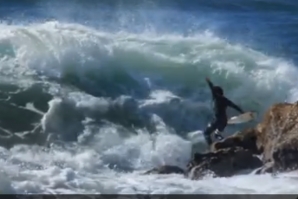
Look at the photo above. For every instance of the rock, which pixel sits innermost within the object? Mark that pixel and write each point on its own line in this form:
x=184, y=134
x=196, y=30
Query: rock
x=223, y=163
x=197, y=173
x=246, y=139
x=278, y=136
x=275, y=138
x=166, y=169
x=285, y=155
x=267, y=168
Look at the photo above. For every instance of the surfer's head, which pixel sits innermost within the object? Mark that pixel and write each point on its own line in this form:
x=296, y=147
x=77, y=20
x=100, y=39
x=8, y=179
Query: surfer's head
x=218, y=90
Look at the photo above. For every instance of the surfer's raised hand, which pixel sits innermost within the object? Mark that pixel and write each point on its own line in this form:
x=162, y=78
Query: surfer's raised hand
x=210, y=84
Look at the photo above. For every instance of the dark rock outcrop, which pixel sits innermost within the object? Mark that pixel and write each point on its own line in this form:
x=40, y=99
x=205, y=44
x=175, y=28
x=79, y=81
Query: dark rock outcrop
x=166, y=169
x=278, y=136
x=223, y=163
x=275, y=139
x=246, y=139
x=266, y=168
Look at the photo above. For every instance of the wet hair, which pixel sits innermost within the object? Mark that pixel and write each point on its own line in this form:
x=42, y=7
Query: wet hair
x=218, y=90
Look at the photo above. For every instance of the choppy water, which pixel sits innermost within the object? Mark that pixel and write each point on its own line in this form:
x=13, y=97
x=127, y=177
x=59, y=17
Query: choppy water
x=118, y=87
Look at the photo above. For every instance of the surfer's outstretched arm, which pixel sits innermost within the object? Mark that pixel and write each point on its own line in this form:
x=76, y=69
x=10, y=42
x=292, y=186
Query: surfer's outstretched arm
x=210, y=84
x=234, y=106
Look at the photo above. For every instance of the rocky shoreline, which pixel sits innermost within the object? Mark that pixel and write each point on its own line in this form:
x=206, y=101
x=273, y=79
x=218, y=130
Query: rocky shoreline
x=269, y=147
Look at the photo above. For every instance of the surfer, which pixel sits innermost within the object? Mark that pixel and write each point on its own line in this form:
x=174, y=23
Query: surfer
x=220, y=104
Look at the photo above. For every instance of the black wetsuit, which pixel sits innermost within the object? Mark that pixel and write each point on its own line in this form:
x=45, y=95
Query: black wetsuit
x=220, y=104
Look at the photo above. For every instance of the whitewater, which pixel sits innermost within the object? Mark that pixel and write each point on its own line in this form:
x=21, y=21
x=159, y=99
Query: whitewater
x=85, y=110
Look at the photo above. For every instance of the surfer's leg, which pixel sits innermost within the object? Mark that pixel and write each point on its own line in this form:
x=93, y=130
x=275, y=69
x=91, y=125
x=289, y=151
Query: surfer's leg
x=221, y=125
x=207, y=133
x=218, y=135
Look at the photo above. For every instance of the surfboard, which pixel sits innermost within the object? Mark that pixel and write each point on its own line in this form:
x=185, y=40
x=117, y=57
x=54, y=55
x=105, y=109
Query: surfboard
x=245, y=117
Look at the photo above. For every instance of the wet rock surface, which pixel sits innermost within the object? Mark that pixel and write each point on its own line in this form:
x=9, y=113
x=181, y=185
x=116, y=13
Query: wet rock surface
x=274, y=139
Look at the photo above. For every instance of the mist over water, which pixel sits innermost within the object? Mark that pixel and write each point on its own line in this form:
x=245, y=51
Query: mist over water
x=92, y=95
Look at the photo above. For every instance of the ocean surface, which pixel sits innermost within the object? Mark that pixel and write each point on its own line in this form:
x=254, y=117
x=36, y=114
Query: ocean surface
x=94, y=93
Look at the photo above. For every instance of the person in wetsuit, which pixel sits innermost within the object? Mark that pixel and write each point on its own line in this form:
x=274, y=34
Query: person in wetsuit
x=220, y=104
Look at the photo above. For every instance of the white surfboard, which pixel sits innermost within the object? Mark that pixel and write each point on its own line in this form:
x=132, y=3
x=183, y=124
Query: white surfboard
x=245, y=117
